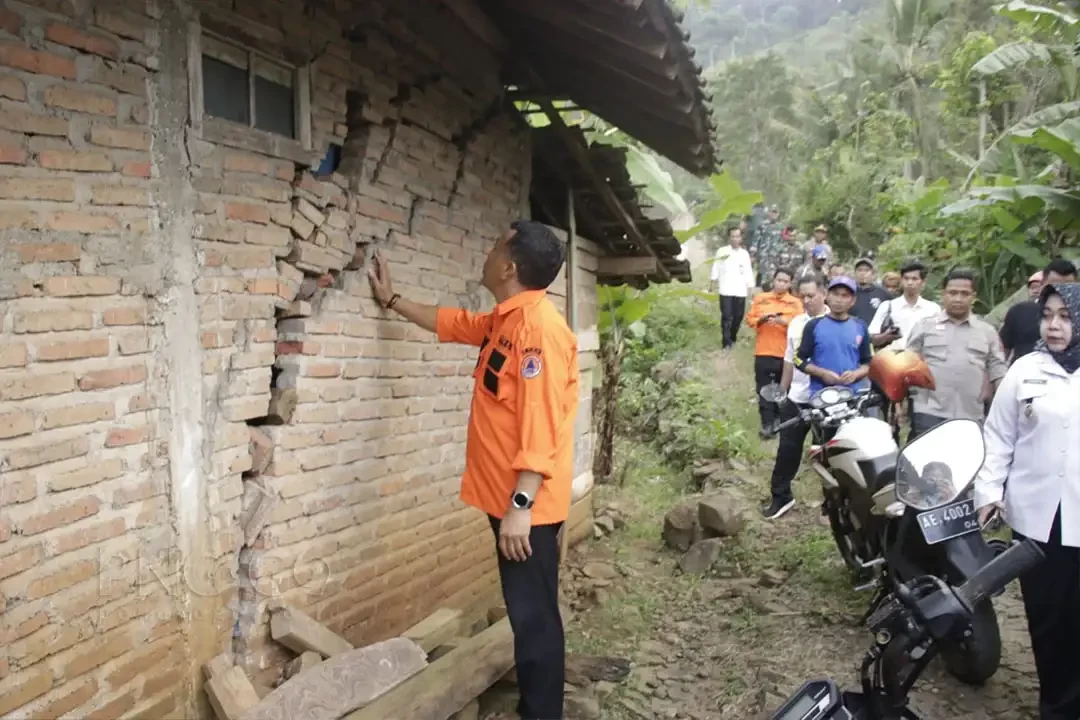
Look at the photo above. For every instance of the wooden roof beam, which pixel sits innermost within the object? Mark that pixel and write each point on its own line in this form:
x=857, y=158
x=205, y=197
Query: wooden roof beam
x=580, y=154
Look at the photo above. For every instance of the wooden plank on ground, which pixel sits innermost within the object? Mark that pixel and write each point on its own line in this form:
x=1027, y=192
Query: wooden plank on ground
x=435, y=629
x=450, y=683
x=448, y=646
x=300, y=633
x=469, y=712
x=231, y=694
x=306, y=661
x=343, y=683
x=217, y=666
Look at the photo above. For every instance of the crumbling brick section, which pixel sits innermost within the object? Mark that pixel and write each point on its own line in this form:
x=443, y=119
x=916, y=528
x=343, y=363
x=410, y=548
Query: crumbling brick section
x=342, y=484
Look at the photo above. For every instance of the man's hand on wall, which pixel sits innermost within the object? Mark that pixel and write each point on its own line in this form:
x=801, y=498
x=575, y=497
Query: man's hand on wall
x=379, y=275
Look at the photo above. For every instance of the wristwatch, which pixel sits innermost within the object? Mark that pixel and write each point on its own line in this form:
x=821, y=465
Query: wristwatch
x=520, y=500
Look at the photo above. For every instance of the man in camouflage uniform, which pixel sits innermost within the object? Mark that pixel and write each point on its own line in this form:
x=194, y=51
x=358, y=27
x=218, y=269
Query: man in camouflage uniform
x=766, y=246
x=791, y=255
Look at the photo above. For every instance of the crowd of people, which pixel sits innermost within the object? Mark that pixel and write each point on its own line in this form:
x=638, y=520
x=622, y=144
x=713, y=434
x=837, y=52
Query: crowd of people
x=817, y=325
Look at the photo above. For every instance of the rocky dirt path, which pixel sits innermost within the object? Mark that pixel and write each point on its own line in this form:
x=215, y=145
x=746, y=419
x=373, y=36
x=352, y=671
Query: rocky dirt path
x=776, y=609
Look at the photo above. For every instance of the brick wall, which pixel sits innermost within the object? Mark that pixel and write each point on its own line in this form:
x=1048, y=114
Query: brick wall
x=170, y=287
x=82, y=455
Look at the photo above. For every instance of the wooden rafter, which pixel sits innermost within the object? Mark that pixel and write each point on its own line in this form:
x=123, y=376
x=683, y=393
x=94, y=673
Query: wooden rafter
x=580, y=154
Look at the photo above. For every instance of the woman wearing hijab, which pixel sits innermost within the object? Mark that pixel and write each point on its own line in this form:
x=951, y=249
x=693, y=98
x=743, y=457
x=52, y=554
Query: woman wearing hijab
x=1032, y=474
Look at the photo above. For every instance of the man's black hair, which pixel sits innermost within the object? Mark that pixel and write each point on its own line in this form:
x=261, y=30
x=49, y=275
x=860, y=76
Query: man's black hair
x=836, y=265
x=864, y=261
x=816, y=278
x=785, y=271
x=959, y=273
x=537, y=253
x=1059, y=266
x=912, y=266
x=732, y=229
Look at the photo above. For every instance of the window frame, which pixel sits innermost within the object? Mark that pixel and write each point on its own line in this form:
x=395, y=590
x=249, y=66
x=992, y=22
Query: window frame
x=249, y=137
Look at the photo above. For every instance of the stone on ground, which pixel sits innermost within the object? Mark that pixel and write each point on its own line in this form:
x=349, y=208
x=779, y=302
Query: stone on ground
x=680, y=527
x=699, y=558
x=721, y=514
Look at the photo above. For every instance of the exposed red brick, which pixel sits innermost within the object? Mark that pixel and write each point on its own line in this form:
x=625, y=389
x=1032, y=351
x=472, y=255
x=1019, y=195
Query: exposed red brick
x=58, y=517
x=13, y=355
x=136, y=169
x=33, y=61
x=58, y=580
x=61, y=189
x=80, y=161
x=48, y=252
x=16, y=423
x=125, y=316
x=72, y=37
x=128, y=138
x=120, y=437
x=105, y=379
x=81, y=286
x=32, y=685
x=12, y=88
x=77, y=100
x=82, y=223
x=25, y=121
x=247, y=212
x=12, y=155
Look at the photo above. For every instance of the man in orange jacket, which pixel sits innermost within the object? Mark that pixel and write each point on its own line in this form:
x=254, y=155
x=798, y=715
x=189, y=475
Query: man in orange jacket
x=770, y=314
x=519, y=453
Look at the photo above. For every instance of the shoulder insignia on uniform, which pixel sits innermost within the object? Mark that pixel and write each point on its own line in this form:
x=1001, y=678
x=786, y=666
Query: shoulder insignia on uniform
x=530, y=366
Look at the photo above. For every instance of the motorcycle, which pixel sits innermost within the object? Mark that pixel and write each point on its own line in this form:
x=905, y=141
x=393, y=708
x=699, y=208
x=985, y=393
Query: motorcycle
x=887, y=542
x=907, y=629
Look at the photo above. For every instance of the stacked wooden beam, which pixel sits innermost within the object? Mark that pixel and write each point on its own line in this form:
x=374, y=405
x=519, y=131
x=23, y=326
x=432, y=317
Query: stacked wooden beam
x=434, y=671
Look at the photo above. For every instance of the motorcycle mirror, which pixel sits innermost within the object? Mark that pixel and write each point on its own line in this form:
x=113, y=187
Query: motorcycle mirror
x=938, y=466
x=772, y=393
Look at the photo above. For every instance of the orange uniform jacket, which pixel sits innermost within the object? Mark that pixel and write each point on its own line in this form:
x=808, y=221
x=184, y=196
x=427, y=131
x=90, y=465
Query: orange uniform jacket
x=772, y=338
x=524, y=403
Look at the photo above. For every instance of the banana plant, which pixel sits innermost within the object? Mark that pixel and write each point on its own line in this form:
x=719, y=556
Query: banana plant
x=727, y=199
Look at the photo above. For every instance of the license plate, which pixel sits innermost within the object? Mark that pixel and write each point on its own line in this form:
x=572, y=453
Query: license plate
x=949, y=521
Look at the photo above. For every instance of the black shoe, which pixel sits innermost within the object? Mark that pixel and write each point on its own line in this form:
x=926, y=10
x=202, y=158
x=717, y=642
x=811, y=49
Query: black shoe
x=777, y=508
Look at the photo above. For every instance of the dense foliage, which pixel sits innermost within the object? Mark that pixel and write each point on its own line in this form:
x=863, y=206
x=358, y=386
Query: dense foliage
x=944, y=128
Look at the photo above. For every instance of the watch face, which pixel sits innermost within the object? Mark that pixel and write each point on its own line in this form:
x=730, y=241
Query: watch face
x=520, y=500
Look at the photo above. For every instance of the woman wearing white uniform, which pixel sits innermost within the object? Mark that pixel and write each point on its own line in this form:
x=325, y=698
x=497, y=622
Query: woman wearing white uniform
x=1032, y=473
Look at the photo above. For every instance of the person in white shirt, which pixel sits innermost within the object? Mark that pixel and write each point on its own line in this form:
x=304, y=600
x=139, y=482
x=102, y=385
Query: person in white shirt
x=733, y=277
x=894, y=318
x=1032, y=474
x=797, y=384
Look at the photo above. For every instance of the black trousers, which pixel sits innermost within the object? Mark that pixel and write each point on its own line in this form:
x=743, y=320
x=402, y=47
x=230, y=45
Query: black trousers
x=767, y=369
x=788, y=453
x=732, y=310
x=1051, y=593
x=531, y=592
x=921, y=422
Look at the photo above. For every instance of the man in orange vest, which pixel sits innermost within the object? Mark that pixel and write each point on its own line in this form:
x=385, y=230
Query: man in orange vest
x=520, y=443
x=770, y=314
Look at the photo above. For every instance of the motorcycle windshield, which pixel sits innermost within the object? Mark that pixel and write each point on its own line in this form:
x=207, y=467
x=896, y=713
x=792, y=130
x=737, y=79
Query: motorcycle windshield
x=936, y=467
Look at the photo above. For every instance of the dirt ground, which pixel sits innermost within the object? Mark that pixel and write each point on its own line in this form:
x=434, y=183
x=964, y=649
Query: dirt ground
x=777, y=608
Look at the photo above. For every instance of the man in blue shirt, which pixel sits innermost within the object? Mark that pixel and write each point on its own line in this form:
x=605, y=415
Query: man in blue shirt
x=835, y=348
